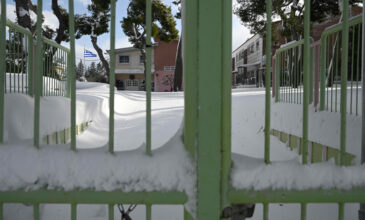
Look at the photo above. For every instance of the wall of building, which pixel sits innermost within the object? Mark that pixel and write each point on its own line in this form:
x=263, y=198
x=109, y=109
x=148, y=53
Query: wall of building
x=134, y=60
x=130, y=76
x=165, y=57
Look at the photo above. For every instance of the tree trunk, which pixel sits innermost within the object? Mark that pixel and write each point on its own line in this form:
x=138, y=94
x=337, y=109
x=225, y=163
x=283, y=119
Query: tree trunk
x=63, y=22
x=22, y=14
x=94, y=41
x=143, y=54
x=178, y=75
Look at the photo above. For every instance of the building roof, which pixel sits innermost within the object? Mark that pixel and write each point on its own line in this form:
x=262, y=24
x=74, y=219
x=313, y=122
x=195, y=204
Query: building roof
x=128, y=49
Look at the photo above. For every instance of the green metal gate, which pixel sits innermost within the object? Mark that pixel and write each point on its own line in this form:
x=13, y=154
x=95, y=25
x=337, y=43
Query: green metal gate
x=207, y=125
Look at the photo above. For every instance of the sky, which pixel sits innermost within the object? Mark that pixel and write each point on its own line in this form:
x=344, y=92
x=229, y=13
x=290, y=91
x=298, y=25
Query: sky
x=239, y=32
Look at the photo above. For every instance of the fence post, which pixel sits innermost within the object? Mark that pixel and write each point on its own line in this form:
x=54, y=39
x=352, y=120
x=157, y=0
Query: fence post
x=2, y=67
x=344, y=70
x=72, y=73
x=112, y=77
x=38, y=74
x=30, y=65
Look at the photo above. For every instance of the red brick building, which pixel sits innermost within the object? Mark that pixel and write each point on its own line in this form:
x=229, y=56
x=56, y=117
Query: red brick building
x=165, y=56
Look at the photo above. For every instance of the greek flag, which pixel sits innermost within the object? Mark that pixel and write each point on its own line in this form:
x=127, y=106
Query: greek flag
x=88, y=53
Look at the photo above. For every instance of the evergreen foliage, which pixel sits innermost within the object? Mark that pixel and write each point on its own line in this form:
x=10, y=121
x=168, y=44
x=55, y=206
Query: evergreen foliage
x=95, y=24
x=291, y=12
x=134, y=26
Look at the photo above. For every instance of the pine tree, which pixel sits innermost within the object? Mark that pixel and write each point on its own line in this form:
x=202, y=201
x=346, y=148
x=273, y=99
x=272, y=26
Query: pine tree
x=134, y=27
x=92, y=72
x=100, y=69
x=291, y=12
x=95, y=25
x=80, y=69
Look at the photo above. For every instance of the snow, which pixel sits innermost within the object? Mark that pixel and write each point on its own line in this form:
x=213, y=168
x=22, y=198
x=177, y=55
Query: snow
x=23, y=12
x=18, y=83
x=324, y=126
x=249, y=173
x=170, y=168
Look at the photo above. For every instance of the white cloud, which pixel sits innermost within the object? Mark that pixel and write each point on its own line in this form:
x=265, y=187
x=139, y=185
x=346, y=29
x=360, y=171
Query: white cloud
x=85, y=2
x=10, y=12
x=240, y=33
x=49, y=18
x=119, y=43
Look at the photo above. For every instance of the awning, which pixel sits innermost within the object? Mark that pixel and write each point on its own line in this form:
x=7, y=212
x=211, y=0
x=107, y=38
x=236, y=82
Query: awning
x=250, y=64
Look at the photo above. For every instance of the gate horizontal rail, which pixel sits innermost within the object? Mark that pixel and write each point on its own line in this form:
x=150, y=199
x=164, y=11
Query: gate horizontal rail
x=92, y=197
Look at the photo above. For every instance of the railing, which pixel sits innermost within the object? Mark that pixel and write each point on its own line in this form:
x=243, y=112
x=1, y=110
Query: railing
x=207, y=119
x=19, y=54
x=289, y=73
x=331, y=78
x=20, y=63
x=55, y=69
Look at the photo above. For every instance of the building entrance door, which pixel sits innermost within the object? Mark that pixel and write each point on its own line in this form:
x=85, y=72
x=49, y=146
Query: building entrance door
x=132, y=84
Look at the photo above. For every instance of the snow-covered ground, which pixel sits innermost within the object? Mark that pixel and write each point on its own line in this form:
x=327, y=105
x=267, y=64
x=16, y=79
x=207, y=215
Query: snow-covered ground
x=173, y=170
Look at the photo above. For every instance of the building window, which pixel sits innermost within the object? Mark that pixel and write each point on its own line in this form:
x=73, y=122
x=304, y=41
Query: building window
x=141, y=59
x=257, y=45
x=169, y=68
x=135, y=82
x=252, y=48
x=123, y=59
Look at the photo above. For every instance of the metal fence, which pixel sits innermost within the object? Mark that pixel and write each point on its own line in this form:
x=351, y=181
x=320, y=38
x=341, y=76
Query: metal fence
x=207, y=118
x=332, y=51
x=21, y=58
x=289, y=73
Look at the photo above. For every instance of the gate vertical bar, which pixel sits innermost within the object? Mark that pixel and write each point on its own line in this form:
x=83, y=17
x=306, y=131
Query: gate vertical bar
x=226, y=100
x=311, y=76
x=73, y=211
x=268, y=80
x=306, y=73
x=111, y=207
x=112, y=77
x=277, y=77
x=210, y=94
x=345, y=35
x=148, y=212
x=190, y=52
x=362, y=205
x=72, y=73
x=2, y=67
x=303, y=211
x=148, y=75
x=36, y=207
x=341, y=211
x=39, y=74
x=30, y=65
